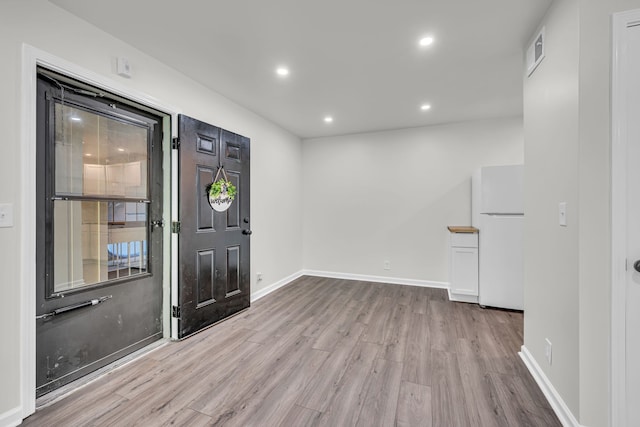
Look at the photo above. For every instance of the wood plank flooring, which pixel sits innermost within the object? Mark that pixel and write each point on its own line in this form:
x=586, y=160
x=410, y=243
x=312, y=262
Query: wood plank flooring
x=326, y=352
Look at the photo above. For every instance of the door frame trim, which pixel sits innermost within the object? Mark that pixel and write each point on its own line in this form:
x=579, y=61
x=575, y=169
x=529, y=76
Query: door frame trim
x=619, y=144
x=31, y=59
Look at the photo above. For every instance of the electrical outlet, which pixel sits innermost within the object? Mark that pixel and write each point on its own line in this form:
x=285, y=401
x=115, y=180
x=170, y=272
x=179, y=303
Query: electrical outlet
x=259, y=276
x=548, y=350
x=386, y=265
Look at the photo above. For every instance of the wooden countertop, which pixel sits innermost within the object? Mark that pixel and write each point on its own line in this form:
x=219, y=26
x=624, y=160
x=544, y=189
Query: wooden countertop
x=462, y=229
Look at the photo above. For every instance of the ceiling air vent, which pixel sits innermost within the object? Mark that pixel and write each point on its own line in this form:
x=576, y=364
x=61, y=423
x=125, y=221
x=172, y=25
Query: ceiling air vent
x=535, y=53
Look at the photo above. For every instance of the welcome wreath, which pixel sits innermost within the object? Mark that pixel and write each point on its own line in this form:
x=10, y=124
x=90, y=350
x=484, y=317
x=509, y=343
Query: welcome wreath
x=221, y=191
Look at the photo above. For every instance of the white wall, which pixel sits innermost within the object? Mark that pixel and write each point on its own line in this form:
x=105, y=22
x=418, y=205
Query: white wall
x=390, y=195
x=276, y=155
x=567, y=157
x=551, y=177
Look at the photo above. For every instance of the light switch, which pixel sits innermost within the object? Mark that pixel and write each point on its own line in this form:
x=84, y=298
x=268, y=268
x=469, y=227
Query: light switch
x=6, y=215
x=562, y=214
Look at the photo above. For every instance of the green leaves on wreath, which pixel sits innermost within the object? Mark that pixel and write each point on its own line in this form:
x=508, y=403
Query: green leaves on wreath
x=215, y=189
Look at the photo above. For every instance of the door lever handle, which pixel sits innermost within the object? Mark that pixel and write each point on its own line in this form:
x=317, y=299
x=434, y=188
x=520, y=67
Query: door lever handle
x=247, y=232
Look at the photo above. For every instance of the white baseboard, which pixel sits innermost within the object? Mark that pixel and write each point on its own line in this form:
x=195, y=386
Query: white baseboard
x=472, y=299
x=555, y=400
x=347, y=276
x=11, y=418
x=377, y=279
x=280, y=283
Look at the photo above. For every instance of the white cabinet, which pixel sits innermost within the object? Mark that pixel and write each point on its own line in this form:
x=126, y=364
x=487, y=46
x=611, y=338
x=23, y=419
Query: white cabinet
x=463, y=264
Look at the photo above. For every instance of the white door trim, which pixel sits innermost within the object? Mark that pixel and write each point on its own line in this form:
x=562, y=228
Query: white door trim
x=619, y=141
x=31, y=58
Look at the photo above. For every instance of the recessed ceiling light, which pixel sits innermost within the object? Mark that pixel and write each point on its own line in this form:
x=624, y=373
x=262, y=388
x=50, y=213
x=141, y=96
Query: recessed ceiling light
x=88, y=155
x=76, y=119
x=121, y=149
x=425, y=107
x=328, y=119
x=282, y=71
x=426, y=41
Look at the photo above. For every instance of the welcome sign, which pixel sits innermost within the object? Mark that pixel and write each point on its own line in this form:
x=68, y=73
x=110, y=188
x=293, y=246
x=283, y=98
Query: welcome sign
x=221, y=192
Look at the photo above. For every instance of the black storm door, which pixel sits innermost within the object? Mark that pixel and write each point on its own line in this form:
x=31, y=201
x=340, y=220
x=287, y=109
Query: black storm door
x=99, y=241
x=214, y=270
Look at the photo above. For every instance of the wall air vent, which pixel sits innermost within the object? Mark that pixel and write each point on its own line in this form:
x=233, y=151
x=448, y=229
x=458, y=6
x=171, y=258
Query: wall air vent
x=535, y=52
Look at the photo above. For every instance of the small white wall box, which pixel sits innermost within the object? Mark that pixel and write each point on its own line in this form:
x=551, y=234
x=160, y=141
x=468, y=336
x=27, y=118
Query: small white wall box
x=6, y=215
x=535, y=52
x=123, y=67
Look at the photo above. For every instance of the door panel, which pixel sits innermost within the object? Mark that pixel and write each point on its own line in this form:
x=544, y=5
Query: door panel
x=632, y=69
x=99, y=263
x=206, y=272
x=205, y=213
x=233, y=213
x=213, y=246
x=233, y=271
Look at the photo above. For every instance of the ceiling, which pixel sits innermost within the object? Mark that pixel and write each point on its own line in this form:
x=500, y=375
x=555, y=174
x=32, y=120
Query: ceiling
x=358, y=61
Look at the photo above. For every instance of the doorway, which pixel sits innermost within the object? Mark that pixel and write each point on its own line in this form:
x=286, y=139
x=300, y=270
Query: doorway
x=625, y=244
x=99, y=249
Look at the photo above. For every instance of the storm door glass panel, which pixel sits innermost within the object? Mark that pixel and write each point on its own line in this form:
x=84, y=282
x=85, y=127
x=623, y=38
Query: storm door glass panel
x=100, y=215
x=99, y=156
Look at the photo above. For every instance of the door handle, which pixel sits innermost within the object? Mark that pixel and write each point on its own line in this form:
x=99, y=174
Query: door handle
x=247, y=232
x=636, y=266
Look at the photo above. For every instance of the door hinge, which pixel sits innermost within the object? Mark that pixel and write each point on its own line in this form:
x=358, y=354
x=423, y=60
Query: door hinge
x=175, y=227
x=175, y=143
x=175, y=311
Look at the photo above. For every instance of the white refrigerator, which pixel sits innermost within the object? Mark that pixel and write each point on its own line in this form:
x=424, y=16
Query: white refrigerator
x=498, y=212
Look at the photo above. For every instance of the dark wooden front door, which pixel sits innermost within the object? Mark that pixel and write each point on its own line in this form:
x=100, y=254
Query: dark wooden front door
x=214, y=271
x=99, y=235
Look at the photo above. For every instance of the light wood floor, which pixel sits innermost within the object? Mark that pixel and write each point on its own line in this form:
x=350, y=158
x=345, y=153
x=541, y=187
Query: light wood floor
x=326, y=352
